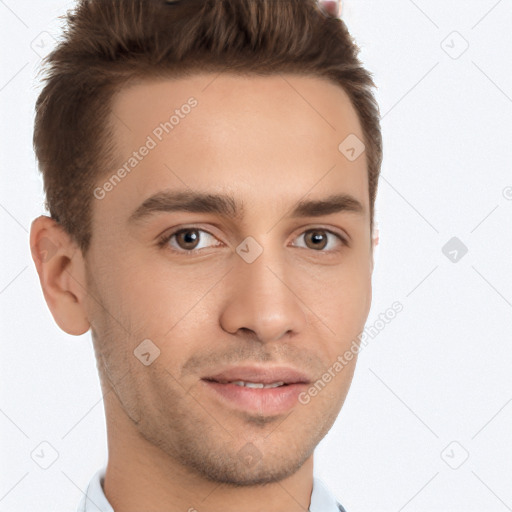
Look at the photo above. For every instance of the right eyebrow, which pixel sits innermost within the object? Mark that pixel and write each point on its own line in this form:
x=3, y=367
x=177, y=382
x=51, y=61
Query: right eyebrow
x=195, y=202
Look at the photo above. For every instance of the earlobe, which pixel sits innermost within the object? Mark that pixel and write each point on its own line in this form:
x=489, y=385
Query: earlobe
x=61, y=270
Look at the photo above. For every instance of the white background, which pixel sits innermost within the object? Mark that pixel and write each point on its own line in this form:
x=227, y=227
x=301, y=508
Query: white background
x=433, y=387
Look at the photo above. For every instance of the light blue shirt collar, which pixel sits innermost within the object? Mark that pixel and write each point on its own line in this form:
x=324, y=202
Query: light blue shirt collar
x=94, y=499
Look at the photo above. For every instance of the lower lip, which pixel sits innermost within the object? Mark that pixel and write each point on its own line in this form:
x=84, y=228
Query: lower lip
x=267, y=401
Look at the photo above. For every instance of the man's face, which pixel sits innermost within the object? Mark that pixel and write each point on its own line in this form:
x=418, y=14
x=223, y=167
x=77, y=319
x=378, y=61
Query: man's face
x=291, y=295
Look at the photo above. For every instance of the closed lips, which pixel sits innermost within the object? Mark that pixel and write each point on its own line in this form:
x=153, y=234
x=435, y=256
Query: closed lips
x=259, y=377
x=266, y=390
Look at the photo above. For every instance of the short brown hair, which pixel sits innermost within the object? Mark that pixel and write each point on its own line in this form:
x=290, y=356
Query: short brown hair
x=109, y=43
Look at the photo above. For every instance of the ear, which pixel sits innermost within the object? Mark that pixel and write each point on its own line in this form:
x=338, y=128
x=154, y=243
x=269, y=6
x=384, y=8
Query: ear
x=61, y=268
x=375, y=242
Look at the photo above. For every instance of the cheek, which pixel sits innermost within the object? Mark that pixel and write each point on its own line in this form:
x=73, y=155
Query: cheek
x=154, y=294
x=340, y=293
x=343, y=306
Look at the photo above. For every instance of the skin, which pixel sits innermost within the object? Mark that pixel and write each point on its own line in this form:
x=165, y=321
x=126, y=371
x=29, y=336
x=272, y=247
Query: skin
x=173, y=445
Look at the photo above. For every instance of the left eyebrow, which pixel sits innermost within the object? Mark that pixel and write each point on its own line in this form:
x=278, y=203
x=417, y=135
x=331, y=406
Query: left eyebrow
x=332, y=204
x=227, y=206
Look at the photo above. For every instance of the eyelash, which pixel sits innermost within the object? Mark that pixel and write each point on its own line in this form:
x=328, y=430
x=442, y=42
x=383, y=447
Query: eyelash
x=165, y=239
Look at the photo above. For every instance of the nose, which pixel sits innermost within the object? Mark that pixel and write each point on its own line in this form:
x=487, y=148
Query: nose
x=261, y=297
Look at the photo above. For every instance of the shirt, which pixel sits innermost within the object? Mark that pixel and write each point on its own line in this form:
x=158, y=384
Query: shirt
x=94, y=499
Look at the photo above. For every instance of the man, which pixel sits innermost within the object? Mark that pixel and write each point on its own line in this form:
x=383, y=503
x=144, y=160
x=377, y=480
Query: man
x=210, y=168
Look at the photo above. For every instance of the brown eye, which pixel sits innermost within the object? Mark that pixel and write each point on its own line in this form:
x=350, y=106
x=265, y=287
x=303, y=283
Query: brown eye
x=188, y=240
x=319, y=239
x=316, y=239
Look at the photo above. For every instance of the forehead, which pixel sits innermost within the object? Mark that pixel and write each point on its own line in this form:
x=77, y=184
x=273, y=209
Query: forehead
x=263, y=139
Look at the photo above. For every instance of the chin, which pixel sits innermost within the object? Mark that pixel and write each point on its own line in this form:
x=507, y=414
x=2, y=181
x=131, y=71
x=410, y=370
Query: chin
x=247, y=467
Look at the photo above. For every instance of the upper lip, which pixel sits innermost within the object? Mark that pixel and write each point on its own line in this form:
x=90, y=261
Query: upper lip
x=265, y=375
